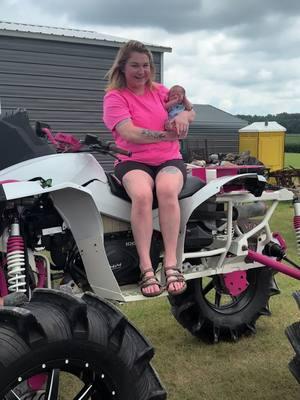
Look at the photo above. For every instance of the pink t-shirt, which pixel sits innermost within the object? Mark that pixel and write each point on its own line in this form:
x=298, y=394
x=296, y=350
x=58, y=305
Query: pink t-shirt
x=145, y=111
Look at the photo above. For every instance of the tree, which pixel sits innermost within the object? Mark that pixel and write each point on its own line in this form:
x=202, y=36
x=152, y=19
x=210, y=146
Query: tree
x=290, y=121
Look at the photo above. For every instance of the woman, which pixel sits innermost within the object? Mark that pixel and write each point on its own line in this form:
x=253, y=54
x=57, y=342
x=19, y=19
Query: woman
x=134, y=111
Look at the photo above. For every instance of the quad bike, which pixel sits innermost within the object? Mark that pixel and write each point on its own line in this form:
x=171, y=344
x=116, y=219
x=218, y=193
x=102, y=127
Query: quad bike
x=63, y=218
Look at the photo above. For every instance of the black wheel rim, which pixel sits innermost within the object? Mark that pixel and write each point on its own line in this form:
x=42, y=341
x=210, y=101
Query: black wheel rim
x=211, y=289
x=89, y=382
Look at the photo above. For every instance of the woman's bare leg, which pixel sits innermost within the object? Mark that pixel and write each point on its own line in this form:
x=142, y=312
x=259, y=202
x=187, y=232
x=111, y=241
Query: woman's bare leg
x=139, y=187
x=169, y=182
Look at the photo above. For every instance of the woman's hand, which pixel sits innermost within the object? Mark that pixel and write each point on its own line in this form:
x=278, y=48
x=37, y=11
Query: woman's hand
x=181, y=124
x=170, y=136
x=172, y=131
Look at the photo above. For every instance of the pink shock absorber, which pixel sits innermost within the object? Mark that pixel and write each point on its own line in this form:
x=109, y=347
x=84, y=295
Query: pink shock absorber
x=15, y=257
x=297, y=223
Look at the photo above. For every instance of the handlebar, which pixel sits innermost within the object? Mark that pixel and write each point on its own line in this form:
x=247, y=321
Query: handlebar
x=69, y=143
x=116, y=149
x=92, y=140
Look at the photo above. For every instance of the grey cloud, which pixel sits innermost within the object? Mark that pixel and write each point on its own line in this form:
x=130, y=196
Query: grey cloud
x=242, y=50
x=254, y=22
x=177, y=16
x=173, y=17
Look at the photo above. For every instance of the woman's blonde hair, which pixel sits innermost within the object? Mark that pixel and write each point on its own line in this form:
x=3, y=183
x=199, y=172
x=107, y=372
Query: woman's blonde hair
x=116, y=77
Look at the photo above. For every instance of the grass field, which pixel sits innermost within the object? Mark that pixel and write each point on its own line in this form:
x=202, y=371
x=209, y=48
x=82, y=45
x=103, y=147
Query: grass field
x=292, y=159
x=256, y=367
x=292, y=138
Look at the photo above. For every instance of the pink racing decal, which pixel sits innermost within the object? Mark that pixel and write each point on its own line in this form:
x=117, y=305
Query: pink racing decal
x=8, y=181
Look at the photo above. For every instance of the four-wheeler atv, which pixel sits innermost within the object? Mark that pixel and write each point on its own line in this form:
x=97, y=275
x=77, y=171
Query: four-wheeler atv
x=62, y=217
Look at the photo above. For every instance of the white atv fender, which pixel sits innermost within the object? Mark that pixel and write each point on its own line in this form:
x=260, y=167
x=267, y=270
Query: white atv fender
x=76, y=206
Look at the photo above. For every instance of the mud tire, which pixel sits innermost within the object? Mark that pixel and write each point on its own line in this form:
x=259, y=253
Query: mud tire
x=293, y=334
x=213, y=323
x=87, y=337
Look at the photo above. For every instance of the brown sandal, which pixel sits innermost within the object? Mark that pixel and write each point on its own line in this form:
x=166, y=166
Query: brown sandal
x=147, y=281
x=175, y=276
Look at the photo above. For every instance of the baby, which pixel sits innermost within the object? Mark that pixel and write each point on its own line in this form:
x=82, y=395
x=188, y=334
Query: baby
x=176, y=102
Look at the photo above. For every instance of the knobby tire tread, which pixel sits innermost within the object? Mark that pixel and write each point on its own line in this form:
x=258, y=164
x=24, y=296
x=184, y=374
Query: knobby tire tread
x=91, y=322
x=192, y=311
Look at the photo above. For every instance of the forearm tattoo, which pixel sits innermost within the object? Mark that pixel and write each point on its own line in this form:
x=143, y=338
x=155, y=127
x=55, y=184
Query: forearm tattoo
x=153, y=134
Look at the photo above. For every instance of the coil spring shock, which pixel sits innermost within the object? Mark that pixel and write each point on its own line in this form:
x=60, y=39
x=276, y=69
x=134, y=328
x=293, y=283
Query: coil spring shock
x=15, y=256
x=297, y=223
x=226, y=232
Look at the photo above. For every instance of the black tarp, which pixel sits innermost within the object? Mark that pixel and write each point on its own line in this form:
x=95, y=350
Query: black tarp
x=19, y=142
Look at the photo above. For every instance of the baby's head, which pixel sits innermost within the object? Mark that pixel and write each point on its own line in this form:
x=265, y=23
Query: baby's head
x=178, y=92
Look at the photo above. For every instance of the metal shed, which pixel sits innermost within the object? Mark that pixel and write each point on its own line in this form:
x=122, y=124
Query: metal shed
x=213, y=131
x=57, y=75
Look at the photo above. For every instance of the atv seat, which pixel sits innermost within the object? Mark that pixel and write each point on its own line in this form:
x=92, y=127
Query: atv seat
x=191, y=186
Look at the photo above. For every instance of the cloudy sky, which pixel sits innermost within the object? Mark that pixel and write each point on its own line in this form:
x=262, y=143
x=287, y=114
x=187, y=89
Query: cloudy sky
x=242, y=56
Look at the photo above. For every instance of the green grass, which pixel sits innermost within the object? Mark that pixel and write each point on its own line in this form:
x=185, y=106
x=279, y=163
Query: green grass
x=292, y=159
x=254, y=368
x=292, y=138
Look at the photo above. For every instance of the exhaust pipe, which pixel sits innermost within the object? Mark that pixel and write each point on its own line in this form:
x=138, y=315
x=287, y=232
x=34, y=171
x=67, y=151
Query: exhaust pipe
x=257, y=209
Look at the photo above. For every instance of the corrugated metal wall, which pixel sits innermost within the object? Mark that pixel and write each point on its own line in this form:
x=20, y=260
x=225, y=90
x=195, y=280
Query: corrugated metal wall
x=203, y=141
x=57, y=82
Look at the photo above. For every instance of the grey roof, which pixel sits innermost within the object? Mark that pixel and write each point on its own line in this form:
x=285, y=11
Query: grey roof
x=67, y=35
x=211, y=116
